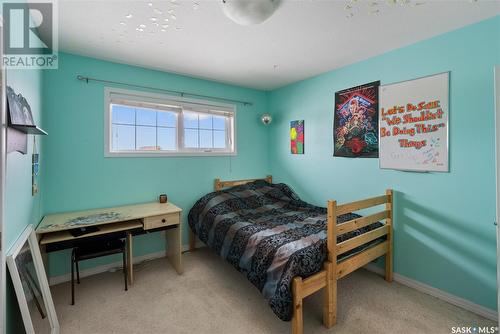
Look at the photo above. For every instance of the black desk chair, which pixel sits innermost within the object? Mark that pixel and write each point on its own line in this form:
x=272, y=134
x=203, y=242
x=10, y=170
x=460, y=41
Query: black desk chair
x=91, y=251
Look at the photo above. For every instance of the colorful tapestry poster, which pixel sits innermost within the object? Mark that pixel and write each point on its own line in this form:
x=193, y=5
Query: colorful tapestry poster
x=297, y=137
x=355, y=128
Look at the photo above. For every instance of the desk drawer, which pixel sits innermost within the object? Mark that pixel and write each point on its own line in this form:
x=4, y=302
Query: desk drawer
x=160, y=221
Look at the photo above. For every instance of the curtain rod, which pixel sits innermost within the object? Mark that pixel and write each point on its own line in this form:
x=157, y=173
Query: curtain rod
x=180, y=93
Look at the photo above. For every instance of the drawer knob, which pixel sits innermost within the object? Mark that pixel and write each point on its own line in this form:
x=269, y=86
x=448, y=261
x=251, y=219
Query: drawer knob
x=163, y=220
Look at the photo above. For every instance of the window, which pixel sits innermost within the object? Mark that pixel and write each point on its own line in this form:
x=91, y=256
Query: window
x=143, y=124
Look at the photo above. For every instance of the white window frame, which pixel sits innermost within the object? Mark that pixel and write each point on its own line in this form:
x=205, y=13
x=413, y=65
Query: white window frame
x=162, y=99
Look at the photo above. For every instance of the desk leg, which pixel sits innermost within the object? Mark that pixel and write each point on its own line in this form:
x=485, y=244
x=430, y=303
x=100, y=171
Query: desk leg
x=174, y=251
x=45, y=260
x=192, y=240
x=130, y=259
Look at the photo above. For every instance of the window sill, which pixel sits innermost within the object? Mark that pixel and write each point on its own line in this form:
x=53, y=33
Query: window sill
x=156, y=154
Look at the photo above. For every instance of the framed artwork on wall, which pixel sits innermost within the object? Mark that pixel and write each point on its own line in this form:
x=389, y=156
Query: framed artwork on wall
x=355, y=125
x=31, y=285
x=297, y=137
x=19, y=109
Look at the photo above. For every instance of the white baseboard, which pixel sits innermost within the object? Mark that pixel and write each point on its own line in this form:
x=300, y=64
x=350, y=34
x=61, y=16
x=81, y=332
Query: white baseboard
x=447, y=297
x=112, y=266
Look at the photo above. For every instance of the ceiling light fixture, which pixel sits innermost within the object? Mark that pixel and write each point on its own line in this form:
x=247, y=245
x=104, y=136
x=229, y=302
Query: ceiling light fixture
x=249, y=12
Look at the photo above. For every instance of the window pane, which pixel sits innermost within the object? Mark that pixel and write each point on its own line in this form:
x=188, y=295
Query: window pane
x=122, y=114
x=166, y=118
x=123, y=137
x=205, y=121
x=219, y=139
x=190, y=120
x=146, y=117
x=191, y=138
x=167, y=139
x=219, y=123
x=206, y=139
x=146, y=138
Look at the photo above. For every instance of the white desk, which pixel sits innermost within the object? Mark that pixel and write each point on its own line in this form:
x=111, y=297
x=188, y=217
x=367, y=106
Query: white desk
x=54, y=229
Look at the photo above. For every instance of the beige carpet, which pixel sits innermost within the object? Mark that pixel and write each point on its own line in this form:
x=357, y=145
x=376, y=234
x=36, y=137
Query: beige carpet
x=212, y=297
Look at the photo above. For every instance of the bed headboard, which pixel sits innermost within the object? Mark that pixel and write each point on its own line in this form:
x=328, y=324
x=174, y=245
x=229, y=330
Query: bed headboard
x=219, y=185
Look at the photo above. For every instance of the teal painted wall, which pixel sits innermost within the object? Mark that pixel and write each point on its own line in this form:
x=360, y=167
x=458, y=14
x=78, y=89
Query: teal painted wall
x=79, y=175
x=21, y=209
x=444, y=233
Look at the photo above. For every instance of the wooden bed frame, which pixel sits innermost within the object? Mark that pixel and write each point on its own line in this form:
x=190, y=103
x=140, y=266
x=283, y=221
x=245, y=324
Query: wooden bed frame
x=333, y=269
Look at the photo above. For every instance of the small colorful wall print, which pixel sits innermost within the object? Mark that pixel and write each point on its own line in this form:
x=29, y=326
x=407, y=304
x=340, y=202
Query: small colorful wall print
x=297, y=137
x=355, y=128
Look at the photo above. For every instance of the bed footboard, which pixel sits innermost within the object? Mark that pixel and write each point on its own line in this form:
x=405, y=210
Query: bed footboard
x=334, y=270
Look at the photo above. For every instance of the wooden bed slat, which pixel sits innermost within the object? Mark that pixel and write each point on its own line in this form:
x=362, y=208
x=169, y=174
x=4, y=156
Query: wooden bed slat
x=331, y=230
x=314, y=283
x=363, y=204
x=362, y=239
x=388, y=256
x=361, y=222
x=348, y=266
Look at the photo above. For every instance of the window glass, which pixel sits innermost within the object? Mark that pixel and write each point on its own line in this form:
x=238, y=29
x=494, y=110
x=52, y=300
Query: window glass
x=219, y=123
x=205, y=121
x=190, y=120
x=145, y=117
x=146, y=138
x=123, y=115
x=191, y=138
x=135, y=129
x=206, y=140
x=123, y=137
x=167, y=138
x=167, y=119
x=219, y=139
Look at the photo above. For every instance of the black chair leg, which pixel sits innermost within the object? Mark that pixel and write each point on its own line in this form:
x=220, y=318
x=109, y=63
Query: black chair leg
x=125, y=269
x=77, y=272
x=73, y=277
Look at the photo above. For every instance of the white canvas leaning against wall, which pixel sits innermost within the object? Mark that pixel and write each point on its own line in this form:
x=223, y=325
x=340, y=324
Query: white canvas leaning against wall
x=413, y=124
x=32, y=288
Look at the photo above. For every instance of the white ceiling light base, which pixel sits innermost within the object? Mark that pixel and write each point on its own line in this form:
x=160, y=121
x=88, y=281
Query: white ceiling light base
x=249, y=12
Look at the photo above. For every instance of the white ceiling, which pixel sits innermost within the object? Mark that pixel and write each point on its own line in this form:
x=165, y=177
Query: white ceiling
x=302, y=39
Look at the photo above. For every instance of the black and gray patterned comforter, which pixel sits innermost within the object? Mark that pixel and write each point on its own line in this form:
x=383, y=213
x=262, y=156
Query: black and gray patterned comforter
x=269, y=234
